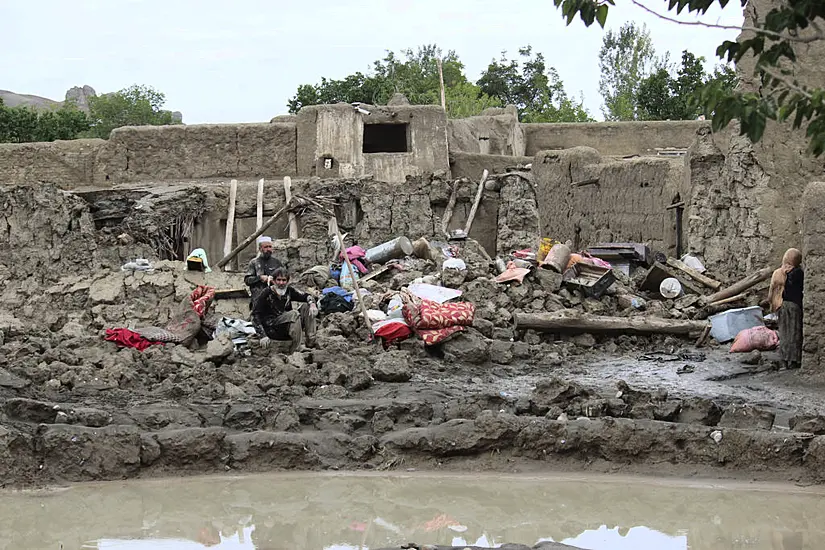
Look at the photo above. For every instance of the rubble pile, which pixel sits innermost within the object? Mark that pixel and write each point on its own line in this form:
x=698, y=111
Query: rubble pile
x=76, y=407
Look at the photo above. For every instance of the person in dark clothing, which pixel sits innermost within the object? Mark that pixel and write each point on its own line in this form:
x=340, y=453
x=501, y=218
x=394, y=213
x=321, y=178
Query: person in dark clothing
x=260, y=271
x=275, y=316
x=785, y=297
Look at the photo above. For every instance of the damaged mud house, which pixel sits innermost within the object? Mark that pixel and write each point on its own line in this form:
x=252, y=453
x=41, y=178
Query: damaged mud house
x=576, y=236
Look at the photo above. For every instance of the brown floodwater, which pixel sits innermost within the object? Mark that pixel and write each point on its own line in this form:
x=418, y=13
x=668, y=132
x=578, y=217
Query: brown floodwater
x=354, y=511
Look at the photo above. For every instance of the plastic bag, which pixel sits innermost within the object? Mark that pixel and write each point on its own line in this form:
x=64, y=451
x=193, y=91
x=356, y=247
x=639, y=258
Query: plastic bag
x=395, y=308
x=756, y=338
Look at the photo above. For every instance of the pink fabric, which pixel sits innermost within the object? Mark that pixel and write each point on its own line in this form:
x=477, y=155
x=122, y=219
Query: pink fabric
x=355, y=253
x=512, y=273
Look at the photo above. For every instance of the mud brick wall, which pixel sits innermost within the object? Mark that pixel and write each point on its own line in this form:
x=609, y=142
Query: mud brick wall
x=614, y=138
x=199, y=151
x=628, y=204
x=487, y=135
x=813, y=249
x=472, y=165
x=64, y=163
x=155, y=153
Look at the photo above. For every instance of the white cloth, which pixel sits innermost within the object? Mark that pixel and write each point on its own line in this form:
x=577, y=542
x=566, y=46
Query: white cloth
x=435, y=293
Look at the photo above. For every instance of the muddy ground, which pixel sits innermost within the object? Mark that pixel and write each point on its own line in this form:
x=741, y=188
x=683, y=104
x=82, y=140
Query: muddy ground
x=75, y=408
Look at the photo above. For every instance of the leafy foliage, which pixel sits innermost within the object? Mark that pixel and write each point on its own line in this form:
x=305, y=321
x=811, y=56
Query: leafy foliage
x=133, y=106
x=670, y=95
x=25, y=124
x=771, y=41
x=624, y=60
x=537, y=90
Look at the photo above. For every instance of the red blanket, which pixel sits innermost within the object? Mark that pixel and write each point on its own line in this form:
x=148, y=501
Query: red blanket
x=129, y=339
x=435, y=322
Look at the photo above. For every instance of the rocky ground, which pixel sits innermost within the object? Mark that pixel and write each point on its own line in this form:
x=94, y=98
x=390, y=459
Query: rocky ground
x=74, y=407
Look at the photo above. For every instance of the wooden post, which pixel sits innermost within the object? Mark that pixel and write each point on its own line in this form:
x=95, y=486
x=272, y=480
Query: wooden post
x=475, y=204
x=333, y=228
x=230, y=219
x=247, y=241
x=448, y=213
x=293, y=221
x=738, y=288
x=441, y=83
x=260, y=211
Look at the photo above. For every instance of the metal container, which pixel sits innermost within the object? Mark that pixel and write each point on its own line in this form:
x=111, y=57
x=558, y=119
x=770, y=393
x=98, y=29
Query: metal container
x=396, y=248
x=558, y=258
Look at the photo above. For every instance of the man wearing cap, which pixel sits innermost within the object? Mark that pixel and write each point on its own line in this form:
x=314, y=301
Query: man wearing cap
x=260, y=271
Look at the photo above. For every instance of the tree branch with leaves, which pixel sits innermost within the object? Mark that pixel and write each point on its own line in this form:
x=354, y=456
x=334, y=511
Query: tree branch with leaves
x=771, y=41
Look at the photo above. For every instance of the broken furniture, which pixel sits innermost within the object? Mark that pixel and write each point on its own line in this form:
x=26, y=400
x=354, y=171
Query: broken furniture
x=592, y=279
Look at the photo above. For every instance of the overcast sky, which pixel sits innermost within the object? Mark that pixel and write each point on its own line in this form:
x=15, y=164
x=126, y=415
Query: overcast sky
x=219, y=61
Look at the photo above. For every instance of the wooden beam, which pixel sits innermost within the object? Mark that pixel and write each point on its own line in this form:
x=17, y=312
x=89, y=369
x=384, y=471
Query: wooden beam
x=247, y=241
x=473, y=210
x=230, y=219
x=575, y=322
x=741, y=286
x=675, y=205
x=693, y=274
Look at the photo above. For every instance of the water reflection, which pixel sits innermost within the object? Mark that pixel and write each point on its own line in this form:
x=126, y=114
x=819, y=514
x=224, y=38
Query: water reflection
x=367, y=512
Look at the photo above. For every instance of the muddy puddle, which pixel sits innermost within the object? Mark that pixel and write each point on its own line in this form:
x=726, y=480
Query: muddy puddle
x=342, y=512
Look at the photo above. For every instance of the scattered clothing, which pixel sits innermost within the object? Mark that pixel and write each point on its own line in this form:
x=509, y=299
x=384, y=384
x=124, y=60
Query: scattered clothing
x=198, y=257
x=186, y=324
x=141, y=264
x=391, y=331
x=356, y=254
x=128, y=339
x=334, y=303
x=512, y=273
x=438, y=294
x=337, y=290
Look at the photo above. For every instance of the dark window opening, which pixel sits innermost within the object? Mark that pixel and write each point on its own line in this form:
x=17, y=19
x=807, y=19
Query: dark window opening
x=385, y=138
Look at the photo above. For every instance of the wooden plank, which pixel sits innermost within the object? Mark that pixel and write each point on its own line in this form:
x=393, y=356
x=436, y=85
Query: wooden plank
x=473, y=210
x=448, y=212
x=260, y=202
x=247, y=241
x=230, y=220
x=693, y=274
x=333, y=228
x=737, y=288
x=293, y=220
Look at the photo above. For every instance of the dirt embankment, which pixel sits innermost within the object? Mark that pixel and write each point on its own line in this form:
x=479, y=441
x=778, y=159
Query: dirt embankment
x=74, y=407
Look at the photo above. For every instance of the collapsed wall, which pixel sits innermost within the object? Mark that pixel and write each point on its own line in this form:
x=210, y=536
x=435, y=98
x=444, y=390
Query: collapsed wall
x=589, y=199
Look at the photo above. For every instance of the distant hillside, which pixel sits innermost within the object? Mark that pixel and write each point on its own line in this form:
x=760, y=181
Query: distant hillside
x=79, y=94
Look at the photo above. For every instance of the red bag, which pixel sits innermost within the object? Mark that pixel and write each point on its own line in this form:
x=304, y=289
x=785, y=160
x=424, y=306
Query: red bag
x=756, y=338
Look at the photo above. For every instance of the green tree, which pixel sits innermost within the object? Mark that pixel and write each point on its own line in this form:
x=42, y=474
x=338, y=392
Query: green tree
x=414, y=74
x=625, y=59
x=25, y=124
x=133, y=106
x=537, y=91
x=671, y=95
x=772, y=41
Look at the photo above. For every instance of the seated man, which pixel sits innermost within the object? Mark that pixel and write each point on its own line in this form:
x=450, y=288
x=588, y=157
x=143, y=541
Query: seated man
x=274, y=317
x=259, y=272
